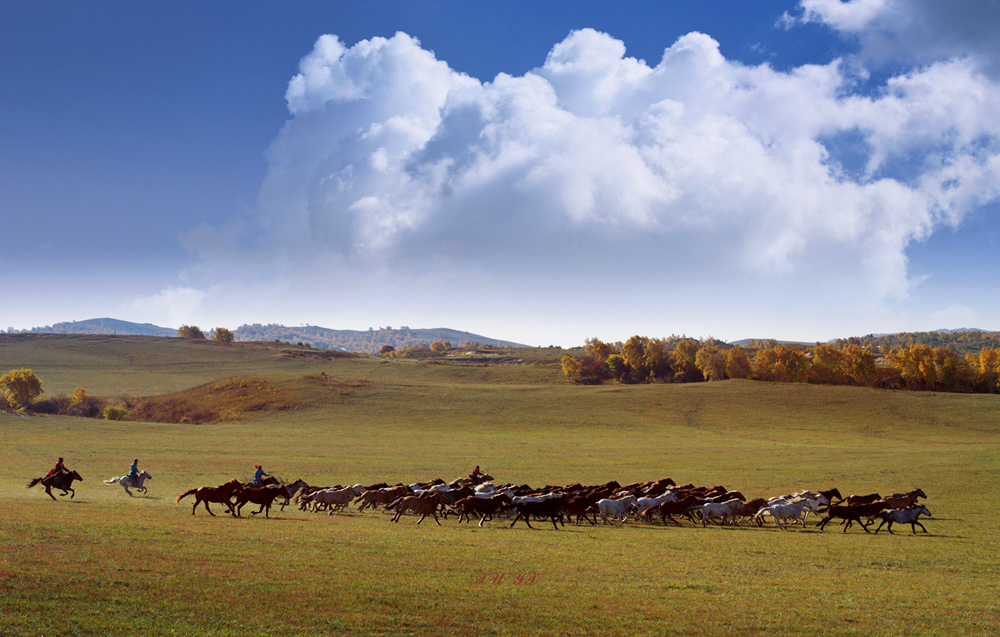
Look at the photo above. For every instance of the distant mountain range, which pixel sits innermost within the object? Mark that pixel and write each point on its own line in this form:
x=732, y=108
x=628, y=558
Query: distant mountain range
x=370, y=340
x=104, y=326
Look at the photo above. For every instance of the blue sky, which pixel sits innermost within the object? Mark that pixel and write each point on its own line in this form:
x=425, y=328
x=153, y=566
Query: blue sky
x=538, y=172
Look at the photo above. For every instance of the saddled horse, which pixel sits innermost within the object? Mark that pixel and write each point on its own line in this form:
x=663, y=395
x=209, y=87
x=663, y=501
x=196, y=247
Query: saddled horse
x=62, y=481
x=128, y=481
x=221, y=494
x=265, y=496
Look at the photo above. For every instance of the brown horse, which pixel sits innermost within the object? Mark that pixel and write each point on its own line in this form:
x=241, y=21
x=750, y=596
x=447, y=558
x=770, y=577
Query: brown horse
x=863, y=499
x=551, y=509
x=220, y=495
x=382, y=496
x=485, y=507
x=853, y=513
x=264, y=496
x=423, y=505
x=62, y=481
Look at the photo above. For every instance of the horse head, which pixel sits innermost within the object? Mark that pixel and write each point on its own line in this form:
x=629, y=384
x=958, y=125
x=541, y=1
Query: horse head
x=145, y=475
x=920, y=494
x=73, y=475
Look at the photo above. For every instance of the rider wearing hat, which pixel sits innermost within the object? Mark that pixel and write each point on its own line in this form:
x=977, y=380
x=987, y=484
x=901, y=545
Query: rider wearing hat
x=258, y=475
x=59, y=468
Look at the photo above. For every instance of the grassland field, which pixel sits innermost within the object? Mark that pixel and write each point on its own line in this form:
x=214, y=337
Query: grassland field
x=107, y=564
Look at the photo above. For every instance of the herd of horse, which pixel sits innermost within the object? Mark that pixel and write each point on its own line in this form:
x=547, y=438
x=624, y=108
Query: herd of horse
x=610, y=502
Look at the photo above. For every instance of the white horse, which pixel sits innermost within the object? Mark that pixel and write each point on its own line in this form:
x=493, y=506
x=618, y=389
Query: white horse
x=129, y=481
x=619, y=509
x=903, y=516
x=722, y=510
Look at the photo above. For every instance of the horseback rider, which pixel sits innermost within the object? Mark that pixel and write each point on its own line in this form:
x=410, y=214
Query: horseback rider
x=58, y=469
x=475, y=474
x=133, y=471
x=258, y=476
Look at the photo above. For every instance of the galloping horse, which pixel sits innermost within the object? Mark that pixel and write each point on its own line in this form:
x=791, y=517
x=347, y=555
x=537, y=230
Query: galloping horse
x=265, y=496
x=220, y=495
x=129, y=481
x=62, y=481
x=904, y=516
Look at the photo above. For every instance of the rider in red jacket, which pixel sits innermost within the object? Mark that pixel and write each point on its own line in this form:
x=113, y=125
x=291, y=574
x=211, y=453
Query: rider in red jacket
x=59, y=468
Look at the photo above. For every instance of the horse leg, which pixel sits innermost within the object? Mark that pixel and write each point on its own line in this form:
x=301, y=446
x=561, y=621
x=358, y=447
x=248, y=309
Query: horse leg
x=880, y=526
x=208, y=509
x=127, y=491
x=48, y=490
x=72, y=493
x=917, y=522
x=434, y=513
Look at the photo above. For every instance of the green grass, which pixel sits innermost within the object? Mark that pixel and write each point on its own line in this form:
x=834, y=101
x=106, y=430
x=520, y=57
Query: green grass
x=106, y=564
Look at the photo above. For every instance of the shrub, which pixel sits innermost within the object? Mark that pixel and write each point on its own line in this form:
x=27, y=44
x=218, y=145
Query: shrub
x=79, y=395
x=90, y=407
x=387, y=349
x=20, y=387
x=222, y=335
x=113, y=412
x=190, y=331
x=52, y=406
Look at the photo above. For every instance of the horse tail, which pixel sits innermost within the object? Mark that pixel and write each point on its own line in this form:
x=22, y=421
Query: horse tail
x=185, y=494
x=111, y=481
x=33, y=483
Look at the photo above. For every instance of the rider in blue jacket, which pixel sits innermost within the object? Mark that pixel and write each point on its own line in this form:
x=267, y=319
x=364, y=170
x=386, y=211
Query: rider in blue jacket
x=258, y=475
x=133, y=471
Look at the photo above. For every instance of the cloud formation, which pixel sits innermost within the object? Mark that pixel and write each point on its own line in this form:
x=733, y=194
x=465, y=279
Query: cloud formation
x=596, y=162
x=913, y=31
x=173, y=305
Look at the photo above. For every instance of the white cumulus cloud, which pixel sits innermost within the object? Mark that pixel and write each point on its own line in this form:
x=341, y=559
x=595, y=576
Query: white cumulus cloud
x=596, y=162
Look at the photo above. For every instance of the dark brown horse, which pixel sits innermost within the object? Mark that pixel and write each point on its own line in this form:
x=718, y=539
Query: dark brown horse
x=62, y=481
x=551, y=509
x=221, y=494
x=853, y=513
x=484, y=507
x=265, y=496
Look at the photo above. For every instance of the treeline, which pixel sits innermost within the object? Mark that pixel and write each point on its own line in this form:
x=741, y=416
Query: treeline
x=684, y=360
x=961, y=341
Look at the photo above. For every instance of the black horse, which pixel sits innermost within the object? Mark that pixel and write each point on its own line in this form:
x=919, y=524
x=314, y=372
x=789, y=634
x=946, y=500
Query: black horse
x=63, y=481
